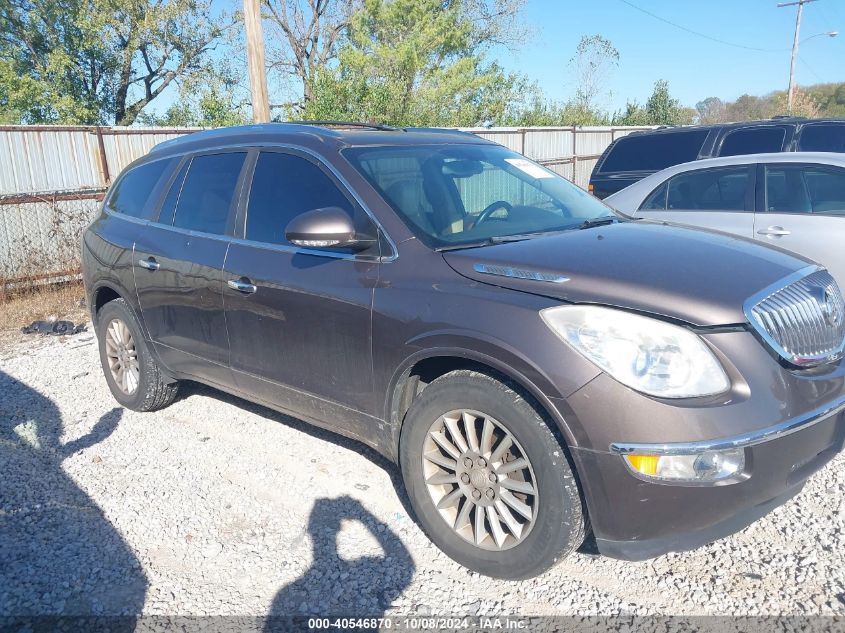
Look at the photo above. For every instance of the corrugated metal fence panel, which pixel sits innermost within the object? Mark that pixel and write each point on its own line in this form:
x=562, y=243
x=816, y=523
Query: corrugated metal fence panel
x=50, y=158
x=510, y=137
x=45, y=158
x=592, y=141
x=548, y=144
x=129, y=144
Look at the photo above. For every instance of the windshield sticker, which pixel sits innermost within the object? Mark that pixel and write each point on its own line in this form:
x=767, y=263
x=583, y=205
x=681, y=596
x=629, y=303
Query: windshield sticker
x=532, y=169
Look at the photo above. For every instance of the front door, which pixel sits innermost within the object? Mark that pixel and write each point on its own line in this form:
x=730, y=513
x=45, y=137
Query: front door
x=721, y=199
x=179, y=267
x=802, y=209
x=299, y=321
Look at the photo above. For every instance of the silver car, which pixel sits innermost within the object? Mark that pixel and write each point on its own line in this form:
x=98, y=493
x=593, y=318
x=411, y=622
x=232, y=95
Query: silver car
x=792, y=200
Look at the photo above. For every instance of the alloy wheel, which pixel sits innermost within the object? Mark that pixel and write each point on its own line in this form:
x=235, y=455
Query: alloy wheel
x=122, y=356
x=480, y=479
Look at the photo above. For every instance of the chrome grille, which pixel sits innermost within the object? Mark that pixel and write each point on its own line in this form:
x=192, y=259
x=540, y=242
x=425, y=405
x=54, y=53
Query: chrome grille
x=803, y=320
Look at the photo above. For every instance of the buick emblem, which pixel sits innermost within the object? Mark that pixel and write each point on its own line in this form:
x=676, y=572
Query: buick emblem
x=833, y=309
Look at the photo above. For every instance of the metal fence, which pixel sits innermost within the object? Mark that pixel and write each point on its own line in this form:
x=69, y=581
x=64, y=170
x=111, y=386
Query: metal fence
x=52, y=179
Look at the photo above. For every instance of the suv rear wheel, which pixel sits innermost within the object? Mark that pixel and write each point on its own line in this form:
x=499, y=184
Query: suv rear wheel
x=491, y=484
x=134, y=377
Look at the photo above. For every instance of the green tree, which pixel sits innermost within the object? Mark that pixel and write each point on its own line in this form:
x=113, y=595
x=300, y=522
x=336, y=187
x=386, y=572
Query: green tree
x=98, y=61
x=662, y=109
x=211, y=98
x=633, y=114
x=414, y=62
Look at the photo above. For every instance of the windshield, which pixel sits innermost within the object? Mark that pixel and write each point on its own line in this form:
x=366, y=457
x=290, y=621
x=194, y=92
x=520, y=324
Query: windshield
x=452, y=195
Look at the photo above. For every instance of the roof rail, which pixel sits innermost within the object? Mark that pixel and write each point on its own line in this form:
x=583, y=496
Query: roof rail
x=372, y=126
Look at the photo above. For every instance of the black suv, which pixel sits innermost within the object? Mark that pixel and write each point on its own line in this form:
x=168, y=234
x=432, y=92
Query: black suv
x=640, y=154
x=476, y=318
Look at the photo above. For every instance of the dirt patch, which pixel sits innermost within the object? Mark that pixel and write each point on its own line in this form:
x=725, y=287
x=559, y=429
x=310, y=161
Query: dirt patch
x=55, y=301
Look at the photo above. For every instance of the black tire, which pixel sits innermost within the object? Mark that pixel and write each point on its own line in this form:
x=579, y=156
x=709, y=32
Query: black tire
x=560, y=523
x=154, y=391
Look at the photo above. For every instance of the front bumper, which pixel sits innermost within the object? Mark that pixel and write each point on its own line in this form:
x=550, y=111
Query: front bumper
x=634, y=519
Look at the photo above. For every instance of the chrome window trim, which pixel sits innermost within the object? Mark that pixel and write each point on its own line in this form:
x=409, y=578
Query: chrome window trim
x=752, y=438
x=752, y=301
x=268, y=245
x=236, y=240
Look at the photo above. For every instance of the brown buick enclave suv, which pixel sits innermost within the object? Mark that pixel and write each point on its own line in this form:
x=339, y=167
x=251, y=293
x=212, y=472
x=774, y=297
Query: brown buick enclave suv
x=534, y=363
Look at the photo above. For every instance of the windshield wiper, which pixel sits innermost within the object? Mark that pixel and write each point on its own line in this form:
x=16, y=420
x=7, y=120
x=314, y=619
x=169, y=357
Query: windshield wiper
x=601, y=221
x=490, y=241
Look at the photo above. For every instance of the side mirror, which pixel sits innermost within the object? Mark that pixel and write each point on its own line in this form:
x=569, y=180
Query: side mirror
x=329, y=227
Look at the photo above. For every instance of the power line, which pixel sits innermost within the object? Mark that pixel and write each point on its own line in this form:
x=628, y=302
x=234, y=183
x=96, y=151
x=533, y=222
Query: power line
x=810, y=68
x=704, y=35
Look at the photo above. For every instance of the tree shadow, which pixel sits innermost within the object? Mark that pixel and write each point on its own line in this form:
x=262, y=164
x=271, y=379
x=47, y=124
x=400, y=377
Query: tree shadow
x=59, y=554
x=363, y=587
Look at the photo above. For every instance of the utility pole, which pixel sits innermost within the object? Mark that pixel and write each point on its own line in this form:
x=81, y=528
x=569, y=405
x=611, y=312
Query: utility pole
x=255, y=61
x=800, y=4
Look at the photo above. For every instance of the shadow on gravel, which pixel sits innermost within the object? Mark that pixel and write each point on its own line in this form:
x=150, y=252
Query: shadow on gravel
x=59, y=555
x=364, y=586
x=187, y=389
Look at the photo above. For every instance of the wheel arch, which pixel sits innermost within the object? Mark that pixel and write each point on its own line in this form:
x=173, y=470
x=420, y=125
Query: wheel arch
x=422, y=367
x=101, y=295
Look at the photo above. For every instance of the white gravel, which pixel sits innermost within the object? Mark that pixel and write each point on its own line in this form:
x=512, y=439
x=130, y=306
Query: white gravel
x=218, y=506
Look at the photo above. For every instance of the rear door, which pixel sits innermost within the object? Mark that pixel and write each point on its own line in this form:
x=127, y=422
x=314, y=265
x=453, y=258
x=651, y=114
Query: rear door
x=822, y=137
x=760, y=139
x=299, y=320
x=802, y=209
x=179, y=266
x=721, y=198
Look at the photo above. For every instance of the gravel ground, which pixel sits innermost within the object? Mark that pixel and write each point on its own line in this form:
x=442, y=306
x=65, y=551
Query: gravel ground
x=218, y=506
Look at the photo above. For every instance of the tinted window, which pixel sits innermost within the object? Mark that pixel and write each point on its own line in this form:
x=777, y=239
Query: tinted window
x=753, y=141
x=208, y=191
x=654, y=151
x=822, y=138
x=132, y=192
x=169, y=204
x=283, y=187
x=805, y=189
x=709, y=190
x=657, y=199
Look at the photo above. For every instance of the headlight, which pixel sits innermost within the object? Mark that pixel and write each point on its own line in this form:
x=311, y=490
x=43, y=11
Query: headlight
x=645, y=354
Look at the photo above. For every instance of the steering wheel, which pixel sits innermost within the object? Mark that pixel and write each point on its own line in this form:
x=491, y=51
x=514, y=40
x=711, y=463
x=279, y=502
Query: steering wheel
x=490, y=208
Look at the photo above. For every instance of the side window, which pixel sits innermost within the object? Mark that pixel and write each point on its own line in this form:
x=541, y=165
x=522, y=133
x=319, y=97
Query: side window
x=168, y=207
x=753, y=141
x=652, y=152
x=822, y=137
x=709, y=190
x=131, y=194
x=283, y=187
x=208, y=191
x=657, y=200
x=805, y=189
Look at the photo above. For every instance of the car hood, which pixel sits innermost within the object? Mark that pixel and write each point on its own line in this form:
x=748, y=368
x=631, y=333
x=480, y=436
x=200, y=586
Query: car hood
x=696, y=276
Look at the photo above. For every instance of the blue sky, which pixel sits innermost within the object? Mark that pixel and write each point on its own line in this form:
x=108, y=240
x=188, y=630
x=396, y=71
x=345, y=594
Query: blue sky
x=695, y=67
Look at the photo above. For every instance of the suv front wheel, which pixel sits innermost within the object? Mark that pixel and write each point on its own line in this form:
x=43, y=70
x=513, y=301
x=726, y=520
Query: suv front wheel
x=488, y=479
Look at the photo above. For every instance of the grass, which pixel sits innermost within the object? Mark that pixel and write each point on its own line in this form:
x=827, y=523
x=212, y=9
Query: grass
x=40, y=303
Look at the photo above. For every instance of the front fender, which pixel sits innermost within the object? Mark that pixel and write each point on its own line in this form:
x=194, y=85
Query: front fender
x=495, y=354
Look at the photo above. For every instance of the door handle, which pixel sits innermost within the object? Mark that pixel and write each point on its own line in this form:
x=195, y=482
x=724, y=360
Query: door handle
x=149, y=263
x=774, y=231
x=242, y=285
